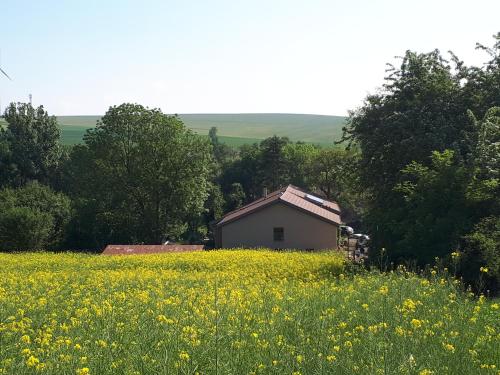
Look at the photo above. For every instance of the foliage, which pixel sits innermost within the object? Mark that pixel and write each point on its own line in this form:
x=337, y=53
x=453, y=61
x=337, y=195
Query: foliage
x=418, y=111
x=33, y=218
x=481, y=251
x=23, y=229
x=29, y=147
x=273, y=166
x=421, y=206
x=235, y=197
x=299, y=158
x=435, y=213
x=235, y=312
x=138, y=177
x=244, y=170
x=335, y=174
x=277, y=162
x=222, y=152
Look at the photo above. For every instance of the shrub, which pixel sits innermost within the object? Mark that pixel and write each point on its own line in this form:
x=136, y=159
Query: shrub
x=22, y=228
x=33, y=217
x=481, y=260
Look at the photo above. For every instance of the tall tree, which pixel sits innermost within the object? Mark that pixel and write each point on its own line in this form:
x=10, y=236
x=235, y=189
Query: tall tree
x=142, y=175
x=31, y=149
x=273, y=169
x=422, y=107
x=222, y=152
x=299, y=157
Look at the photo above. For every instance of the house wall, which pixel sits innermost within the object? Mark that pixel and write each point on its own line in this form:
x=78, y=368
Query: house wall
x=302, y=231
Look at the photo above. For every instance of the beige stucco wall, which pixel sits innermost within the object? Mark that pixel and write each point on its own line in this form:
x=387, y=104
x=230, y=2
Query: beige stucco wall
x=302, y=231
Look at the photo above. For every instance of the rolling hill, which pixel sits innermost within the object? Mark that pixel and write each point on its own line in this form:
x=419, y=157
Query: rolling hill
x=236, y=129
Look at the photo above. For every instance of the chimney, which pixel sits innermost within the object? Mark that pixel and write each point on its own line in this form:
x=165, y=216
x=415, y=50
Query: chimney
x=264, y=192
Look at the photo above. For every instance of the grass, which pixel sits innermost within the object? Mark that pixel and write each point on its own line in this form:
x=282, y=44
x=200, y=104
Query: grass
x=73, y=134
x=235, y=312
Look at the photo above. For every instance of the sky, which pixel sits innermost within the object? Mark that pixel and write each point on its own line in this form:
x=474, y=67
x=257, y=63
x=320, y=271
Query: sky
x=256, y=56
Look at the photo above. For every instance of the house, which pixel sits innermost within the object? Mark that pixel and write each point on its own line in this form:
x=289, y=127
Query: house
x=289, y=218
x=149, y=249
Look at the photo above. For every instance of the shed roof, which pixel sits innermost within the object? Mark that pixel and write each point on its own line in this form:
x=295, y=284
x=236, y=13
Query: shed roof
x=292, y=196
x=149, y=249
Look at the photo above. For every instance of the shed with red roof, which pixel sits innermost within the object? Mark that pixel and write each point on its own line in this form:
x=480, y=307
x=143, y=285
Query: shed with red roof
x=149, y=249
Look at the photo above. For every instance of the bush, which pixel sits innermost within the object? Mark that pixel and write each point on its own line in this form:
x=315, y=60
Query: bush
x=33, y=217
x=480, y=264
x=22, y=228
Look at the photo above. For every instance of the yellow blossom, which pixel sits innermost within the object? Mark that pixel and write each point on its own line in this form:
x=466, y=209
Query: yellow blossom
x=184, y=356
x=416, y=323
x=449, y=347
x=26, y=339
x=32, y=361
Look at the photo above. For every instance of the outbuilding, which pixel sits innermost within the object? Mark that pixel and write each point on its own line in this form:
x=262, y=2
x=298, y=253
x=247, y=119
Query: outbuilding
x=289, y=218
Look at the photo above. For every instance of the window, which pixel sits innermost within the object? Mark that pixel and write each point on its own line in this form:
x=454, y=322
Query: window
x=279, y=234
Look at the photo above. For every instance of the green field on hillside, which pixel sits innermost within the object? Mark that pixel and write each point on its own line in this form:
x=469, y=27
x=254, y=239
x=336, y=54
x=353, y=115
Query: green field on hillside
x=235, y=129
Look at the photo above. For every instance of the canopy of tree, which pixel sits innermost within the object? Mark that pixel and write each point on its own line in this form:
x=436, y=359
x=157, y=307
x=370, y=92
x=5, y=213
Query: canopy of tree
x=429, y=166
x=137, y=178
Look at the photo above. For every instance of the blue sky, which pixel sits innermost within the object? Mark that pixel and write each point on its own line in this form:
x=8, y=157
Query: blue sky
x=310, y=56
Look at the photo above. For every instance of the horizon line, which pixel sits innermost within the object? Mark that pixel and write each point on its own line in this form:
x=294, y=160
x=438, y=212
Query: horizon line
x=223, y=113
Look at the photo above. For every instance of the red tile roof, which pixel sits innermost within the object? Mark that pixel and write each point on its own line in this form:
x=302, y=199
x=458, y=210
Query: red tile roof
x=149, y=249
x=295, y=197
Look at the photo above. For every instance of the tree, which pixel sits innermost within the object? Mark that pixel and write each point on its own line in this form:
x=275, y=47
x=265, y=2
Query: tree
x=334, y=172
x=141, y=175
x=259, y=166
x=30, y=145
x=236, y=197
x=435, y=213
x=222, y=152
x=244, y=171
x=481, y=88
x=422, y=107
x=273, y=164
x=23, y=229
x=33, y=218
x=299, y=157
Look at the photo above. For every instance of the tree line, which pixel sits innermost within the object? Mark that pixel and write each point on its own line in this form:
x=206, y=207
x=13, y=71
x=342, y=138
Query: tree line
x=418, y=169
x=429, y=146
x=140, y=176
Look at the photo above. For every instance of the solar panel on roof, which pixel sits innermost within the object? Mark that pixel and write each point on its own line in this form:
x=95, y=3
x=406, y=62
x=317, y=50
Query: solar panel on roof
x=314, y=199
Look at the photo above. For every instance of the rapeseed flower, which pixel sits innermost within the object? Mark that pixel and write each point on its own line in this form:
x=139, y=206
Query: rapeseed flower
x=255, y=310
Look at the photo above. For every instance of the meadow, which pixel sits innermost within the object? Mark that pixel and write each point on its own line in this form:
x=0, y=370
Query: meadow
x=236, y=312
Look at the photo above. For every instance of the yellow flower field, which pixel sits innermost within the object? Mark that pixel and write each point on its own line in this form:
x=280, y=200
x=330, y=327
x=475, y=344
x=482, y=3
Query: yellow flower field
x=236, y=312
